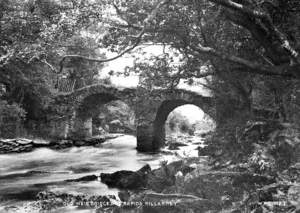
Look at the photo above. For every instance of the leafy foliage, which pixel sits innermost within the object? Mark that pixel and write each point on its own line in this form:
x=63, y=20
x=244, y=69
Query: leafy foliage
x=34, y=36
x=245, y=51
x=11, y=117
x=178, y=122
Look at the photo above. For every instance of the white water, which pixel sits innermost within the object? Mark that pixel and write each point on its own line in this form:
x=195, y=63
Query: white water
x=49, y=168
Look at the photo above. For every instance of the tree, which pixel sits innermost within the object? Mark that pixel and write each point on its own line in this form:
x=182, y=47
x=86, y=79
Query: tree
x=183, y=25
x=79, y=70
x=241, y=43
x=177, y=122
x=34, y=34
x=238, y=46
x=11, y=116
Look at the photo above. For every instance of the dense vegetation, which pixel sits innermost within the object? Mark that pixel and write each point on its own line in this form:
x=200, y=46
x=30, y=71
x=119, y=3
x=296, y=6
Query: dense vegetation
x=114, y=117
x=178, y=122
x=245, y=51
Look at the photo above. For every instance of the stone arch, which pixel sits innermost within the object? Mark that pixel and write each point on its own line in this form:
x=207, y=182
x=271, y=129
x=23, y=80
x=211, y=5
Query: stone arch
x=161, y=117
x=150, y=130
x=86, y=102
x=151, y=110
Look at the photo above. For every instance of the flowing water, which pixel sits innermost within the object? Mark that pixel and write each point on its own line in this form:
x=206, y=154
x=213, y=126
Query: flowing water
x=23, y=175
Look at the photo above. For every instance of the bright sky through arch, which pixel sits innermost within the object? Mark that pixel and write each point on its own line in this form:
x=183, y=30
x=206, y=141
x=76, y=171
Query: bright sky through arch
x=192, y=112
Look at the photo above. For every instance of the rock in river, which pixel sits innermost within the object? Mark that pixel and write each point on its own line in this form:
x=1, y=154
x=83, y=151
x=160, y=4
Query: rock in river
x=85, y=178
x=60, y=144
x=176, y=145
x=15, y=145
x=125, y=179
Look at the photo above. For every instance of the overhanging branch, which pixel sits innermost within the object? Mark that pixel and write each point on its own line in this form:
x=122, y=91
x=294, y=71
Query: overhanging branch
x=285, y=70
x=264, y=18
x=239, y=7
x=53, y=69
x=138, y=38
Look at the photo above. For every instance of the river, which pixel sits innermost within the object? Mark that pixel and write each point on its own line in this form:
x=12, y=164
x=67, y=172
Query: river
x=23, y=175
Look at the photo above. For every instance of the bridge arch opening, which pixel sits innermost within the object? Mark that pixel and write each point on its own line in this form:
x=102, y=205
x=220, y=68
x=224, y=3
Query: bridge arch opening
x=179, y=117
x=151, y=109
x=102, y=113
x=114, y=117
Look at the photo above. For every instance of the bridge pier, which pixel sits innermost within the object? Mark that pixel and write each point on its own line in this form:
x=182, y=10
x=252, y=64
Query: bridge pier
x=82, y=128
x=148, y=140
x=59, y=129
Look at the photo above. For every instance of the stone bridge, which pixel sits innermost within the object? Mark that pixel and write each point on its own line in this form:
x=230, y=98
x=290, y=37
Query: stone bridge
x=151, y=110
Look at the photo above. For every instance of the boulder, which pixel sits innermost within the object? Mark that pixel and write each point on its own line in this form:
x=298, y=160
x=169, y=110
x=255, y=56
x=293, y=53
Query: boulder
x=60, y=144
x=27, y=145
x=24, y=141
x=95, y=141
x=15, y=146
x=116, y=122
x=165, y=176
x=176, y=145
x=85, y=178
x=125, y=179
x=21, y=145
x=41, y=143
x=65, y=143
x=9, y=141
x=80, y=143
x=83, y=168
x=124, y=195
x=116, y=126
x=206, y=151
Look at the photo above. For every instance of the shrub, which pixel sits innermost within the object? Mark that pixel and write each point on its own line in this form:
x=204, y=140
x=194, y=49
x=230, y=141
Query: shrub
x=11, y=117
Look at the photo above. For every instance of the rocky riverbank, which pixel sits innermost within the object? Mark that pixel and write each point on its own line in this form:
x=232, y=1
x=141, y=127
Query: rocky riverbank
x=188, y=185
x=19, y=145
x=144, y=186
